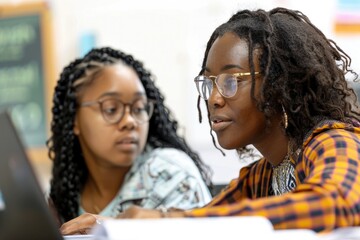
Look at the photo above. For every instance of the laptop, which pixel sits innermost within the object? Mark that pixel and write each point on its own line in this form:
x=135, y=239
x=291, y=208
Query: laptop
x=24, y=213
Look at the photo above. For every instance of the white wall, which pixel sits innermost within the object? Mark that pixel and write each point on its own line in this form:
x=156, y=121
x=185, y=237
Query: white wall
x=169, y=36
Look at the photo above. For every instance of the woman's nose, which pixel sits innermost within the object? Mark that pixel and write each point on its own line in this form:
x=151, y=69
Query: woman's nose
x=215, y=100
x=127, y=121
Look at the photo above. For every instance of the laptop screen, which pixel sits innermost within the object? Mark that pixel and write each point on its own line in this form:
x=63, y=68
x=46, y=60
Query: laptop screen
x=24, y=213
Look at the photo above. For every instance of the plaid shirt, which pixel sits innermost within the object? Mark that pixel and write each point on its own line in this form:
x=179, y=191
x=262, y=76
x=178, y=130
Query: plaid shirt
x=327, y=195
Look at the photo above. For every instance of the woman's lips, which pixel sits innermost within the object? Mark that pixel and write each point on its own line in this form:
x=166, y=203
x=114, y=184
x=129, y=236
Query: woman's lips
x=219, y=124
x=127, y=144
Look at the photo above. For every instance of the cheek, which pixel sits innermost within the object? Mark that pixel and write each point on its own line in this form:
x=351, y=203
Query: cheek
x=248, y=123
x=92, y=127
x=96, y=138
x=143, y=131
x=93, y=130
x=247, y=115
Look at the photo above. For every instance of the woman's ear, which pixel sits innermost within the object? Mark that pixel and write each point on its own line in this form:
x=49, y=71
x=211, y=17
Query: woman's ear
x=76, y=128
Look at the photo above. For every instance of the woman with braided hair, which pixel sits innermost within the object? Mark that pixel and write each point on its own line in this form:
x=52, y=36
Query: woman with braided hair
x=114, y=143
x=272, y=80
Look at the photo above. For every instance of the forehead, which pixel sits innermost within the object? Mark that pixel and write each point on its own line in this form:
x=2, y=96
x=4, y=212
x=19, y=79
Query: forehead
x=118, y=79
x=226, y=50
x=122, y=77
x=121, y=72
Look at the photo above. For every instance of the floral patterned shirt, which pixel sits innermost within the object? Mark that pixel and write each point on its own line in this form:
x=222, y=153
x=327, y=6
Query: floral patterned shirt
x=160, y=178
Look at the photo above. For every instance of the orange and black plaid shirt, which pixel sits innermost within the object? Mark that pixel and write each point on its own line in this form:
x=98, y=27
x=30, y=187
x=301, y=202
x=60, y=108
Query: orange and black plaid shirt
x=327, y=195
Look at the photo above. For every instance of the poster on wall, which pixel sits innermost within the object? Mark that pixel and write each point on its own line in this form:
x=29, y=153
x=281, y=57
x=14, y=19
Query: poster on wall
x=24, y=69
x=347, y=18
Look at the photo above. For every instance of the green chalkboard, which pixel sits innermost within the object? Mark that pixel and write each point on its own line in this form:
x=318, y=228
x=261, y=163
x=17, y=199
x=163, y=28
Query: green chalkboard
x=22, y=76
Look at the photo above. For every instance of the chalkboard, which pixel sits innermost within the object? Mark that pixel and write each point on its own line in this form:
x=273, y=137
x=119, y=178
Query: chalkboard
x=22, y=75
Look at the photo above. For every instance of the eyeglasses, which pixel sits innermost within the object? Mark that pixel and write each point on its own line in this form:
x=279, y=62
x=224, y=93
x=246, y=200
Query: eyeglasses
x=113, y=110
x=226, y=83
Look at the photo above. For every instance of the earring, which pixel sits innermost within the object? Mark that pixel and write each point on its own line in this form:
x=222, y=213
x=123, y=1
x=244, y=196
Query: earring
x=285, y=117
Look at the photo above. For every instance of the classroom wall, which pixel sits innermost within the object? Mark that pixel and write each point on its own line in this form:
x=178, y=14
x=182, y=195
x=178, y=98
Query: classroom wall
x=169, y=37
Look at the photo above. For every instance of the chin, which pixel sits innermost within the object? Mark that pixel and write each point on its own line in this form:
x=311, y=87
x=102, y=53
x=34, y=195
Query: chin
x=228, y=146
x=125, y=161
x=123, y=164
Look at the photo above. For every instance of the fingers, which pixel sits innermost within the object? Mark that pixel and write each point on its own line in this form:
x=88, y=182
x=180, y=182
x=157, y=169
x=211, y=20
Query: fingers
x=81, y=225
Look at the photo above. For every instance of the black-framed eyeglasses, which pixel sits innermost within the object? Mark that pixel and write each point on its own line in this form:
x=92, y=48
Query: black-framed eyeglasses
x=113, y=109
x=227, y=84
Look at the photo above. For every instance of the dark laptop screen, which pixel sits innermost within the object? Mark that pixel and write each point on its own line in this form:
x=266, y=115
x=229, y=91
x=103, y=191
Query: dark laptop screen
x=24, y=214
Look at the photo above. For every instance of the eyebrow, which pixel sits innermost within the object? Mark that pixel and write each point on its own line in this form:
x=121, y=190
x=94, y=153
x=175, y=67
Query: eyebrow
x=226, y=67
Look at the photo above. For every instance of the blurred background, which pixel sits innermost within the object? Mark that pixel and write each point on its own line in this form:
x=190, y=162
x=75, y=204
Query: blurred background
x=38, y=38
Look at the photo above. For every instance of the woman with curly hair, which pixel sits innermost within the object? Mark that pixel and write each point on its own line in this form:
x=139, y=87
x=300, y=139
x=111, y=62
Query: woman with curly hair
x=114, y=143
x=272, y=80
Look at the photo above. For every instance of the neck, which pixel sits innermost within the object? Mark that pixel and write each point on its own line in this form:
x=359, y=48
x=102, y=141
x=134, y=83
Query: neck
x=101, y=187
x=273, y=145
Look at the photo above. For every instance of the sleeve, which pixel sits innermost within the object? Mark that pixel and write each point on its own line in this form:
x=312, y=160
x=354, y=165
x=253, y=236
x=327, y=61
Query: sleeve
x=328, y=198
x=175, y=185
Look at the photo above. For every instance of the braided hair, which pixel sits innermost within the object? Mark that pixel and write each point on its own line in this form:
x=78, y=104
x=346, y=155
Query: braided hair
x=69, y=171
x=303, y=71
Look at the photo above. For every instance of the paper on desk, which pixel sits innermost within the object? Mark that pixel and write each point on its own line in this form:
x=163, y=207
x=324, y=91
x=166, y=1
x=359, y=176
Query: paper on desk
x=347, y=233
x=183, y=228
x=295, y=234
x=194, y=228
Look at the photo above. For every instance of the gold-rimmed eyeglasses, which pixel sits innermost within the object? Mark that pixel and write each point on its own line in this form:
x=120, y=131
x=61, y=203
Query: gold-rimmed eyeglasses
x=227, y=84
x=113, y=109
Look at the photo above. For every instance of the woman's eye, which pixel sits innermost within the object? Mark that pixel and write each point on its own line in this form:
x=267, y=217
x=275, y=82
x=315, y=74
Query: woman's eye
x=138, y=110
x=240, y=79
x=110, y=110
x=110, y=107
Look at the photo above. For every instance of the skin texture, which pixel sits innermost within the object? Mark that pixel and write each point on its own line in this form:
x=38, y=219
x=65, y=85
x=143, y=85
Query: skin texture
x=103, y=143
x=239, y=114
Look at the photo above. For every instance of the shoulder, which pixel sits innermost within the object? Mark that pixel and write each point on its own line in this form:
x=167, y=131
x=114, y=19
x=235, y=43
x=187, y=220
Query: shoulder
x=337, y=141
x=332, y=131
x=171, y=173
x=335, y=135
x=257, y=166
x=171, y=159
x=162, y=164
x=256, y=171
x=250, y=175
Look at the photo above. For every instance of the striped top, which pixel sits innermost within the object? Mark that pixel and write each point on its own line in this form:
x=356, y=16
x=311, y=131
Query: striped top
x=327, y=195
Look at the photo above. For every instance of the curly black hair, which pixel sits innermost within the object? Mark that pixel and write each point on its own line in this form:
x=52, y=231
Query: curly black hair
x=69, y=171
x=303, y=71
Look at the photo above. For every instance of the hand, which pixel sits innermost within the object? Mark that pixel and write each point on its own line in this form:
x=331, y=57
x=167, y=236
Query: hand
x=138, y=212
x=81, y=224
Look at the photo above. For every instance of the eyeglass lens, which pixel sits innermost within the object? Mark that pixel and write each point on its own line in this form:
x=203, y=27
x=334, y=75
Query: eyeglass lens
x=226, y=84
x=113, y=110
